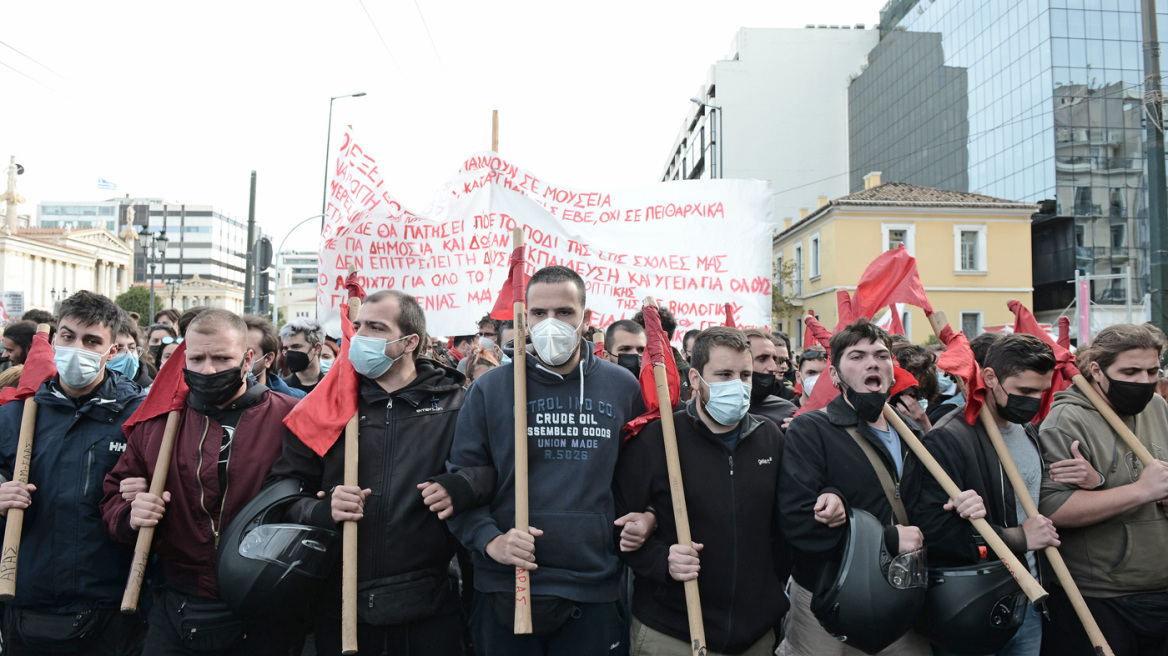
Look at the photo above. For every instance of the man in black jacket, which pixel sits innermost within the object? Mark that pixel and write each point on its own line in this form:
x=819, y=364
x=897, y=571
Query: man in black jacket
x=408, y=408
x=821, y=455
x=730, y=465
x=1017, y=371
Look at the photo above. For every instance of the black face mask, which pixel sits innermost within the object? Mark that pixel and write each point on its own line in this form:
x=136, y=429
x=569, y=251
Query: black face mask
x=1129, y=398
x=297, y=361
x=869, y=405
x=632, y=362
x=761, y=386
x=1018, y=409
x=217, y=388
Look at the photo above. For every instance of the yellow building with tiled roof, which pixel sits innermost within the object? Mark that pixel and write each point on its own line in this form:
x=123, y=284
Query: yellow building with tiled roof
x=972, y=252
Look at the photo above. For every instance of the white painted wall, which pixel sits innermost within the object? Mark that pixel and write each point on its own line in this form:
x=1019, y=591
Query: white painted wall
x=785, y=100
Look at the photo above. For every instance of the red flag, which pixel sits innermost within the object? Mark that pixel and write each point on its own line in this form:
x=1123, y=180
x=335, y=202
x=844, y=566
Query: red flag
x=729, y=318
x=809, y=337
x=169, y=391
x=354, y=287
x=513, y=288
x=321, y=416
x=656, y=351
x=38, y=367
x=897, y=325
x=819, y=333
x=1065, y=369
x=957, y=360
x=891, y=278
x=1064, y=338
x=846, y=309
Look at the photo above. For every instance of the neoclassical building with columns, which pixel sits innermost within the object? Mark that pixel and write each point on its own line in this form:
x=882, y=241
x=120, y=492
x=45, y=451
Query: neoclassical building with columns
x=49, y=263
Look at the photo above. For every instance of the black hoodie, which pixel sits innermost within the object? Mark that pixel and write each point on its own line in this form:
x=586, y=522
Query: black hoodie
x=404, y=439
x=730, y=497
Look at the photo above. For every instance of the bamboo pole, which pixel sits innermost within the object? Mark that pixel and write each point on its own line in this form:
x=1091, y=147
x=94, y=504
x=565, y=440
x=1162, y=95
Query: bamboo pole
x=1052, y=554
x=349, y=530
x=146, y=533
x=693, y=603
x=522, y=501
x=1020, y=572
x=14, y=524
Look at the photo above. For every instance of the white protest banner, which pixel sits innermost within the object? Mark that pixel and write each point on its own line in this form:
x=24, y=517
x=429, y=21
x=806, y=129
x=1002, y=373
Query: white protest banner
x=693, y=245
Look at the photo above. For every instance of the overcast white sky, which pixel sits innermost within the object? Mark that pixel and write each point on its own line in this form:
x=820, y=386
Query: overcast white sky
x=183, y=101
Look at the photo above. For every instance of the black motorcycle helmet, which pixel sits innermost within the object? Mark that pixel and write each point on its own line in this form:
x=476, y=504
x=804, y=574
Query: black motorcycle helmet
x=869, y=598
x=268, y=567
x=972, y=609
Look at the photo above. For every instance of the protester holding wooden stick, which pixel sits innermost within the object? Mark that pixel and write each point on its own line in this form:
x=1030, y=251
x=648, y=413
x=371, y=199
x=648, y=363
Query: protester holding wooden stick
x=403, y=550
x=67, y=583
x=836, y=453
x=576, y=405
x=229, y=433
x=729, y=461
x=1108, y=504
x=1017, y=372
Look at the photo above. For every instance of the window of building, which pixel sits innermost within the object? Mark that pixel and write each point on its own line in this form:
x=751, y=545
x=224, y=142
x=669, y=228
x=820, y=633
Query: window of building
x=798, y=275
x=895, y=234
x=778, y=275
x=1117, y=205
x=971, y=324
x=1118, y=236
x=969, y=248
x=1083, y=205
x=815, y=256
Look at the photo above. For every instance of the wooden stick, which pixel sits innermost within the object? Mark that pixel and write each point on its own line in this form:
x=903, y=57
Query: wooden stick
x=522, y=521
x=1052, y=554
x=693, y=603
x=1129, y=438
x=495, y=131
x=1020, y=572
x=349, y=531
x=146, y=533
x=14, y=524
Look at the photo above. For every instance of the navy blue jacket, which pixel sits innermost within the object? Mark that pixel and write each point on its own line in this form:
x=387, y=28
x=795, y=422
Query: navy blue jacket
x=67, y=562
x=574, y=426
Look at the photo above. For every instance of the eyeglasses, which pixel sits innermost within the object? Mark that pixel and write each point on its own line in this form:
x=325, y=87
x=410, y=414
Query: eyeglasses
x=814, y=354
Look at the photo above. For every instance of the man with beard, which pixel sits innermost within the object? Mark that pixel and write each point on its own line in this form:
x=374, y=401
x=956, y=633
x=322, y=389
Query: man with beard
x=828, y=455
x=577, y=404
x=1108, y=507
x=232, y=431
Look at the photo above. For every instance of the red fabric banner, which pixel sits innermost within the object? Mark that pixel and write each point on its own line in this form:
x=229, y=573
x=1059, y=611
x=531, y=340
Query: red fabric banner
x=657, y=351
x=169, y=391
x=1065, y=369
x=38, y=367
x=514, y=286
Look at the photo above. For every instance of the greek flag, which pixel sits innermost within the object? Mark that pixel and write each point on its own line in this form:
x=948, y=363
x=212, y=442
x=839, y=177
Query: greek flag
x=102, y=183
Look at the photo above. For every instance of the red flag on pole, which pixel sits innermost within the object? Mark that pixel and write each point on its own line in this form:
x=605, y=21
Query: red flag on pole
x=320, y=417
x=169, y=391
x=891, y=278
x=729, y=317
x=1064, y=338
x=656, y=351
x=513, y=288
x=38, y=367
x=1065, y=369
x=809, y=337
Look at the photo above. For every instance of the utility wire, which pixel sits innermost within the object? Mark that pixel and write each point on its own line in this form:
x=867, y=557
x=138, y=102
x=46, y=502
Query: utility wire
x=20, y=72
x=381, y=38
x=430, y=36
x=34, y=61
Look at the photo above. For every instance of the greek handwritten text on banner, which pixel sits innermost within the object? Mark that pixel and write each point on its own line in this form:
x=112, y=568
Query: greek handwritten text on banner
x=693, y=245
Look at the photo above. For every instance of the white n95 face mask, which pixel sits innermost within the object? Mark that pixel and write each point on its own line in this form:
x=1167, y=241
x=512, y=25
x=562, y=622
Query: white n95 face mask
x=555, y=341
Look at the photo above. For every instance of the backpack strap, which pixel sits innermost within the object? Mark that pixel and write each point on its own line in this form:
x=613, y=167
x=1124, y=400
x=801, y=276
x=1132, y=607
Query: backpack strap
x=890, y=488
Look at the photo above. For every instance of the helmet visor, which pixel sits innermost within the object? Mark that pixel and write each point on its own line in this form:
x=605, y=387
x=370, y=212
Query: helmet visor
x=909, y=570
x=287, y=545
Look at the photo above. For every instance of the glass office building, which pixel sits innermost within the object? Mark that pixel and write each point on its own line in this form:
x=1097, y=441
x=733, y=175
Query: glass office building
x=1025, y=100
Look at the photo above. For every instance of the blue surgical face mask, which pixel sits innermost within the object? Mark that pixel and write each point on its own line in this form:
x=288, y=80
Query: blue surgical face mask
x=77, y=367
x=367, y=355
x=729, y=401
x=325, y=365
x=125, y=364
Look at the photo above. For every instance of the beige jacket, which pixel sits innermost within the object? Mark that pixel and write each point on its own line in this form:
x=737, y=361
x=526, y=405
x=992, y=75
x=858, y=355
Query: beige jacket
x=1124, y=554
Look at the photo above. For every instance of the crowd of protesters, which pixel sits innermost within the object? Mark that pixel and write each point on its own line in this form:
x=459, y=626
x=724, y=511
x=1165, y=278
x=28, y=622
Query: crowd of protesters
x=772, y=493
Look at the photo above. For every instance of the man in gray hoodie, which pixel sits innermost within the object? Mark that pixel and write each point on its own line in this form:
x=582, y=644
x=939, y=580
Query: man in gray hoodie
x=577, y=404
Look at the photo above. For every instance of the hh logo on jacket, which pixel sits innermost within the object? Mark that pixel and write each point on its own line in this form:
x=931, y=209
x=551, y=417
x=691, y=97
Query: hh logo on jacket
x=118, y=446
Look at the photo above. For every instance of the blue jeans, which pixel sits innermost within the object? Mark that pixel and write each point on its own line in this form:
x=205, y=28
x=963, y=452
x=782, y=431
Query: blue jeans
x=1026, y=642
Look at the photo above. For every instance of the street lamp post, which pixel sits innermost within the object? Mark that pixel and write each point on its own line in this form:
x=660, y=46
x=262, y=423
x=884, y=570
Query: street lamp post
x=276, y=301
x=327, y=147
x=716, y=167
x=173, y=285
x=151, y=243
x=160, y=241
